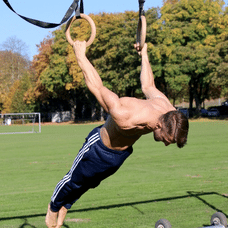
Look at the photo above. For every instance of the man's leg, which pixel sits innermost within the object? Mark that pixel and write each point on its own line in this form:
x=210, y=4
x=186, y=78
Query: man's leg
x=64, y=193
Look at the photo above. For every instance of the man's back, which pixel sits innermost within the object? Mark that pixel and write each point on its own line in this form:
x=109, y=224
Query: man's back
x=135, y=118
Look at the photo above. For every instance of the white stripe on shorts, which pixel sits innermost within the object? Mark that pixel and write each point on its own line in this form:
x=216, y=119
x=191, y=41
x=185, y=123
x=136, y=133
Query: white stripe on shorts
x=94, y=138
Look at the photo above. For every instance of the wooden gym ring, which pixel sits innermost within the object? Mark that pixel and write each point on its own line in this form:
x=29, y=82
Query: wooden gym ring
x=141, y=32
x=92, y=25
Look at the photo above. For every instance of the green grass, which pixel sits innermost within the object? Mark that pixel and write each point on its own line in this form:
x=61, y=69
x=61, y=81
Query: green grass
x=19, y=128
x=185, y=186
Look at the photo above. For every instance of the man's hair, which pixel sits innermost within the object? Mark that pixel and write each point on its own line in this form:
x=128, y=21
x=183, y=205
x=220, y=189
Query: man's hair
x=175, y=125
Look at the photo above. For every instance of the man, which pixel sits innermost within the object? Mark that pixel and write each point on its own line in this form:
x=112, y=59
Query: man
x=107, y=146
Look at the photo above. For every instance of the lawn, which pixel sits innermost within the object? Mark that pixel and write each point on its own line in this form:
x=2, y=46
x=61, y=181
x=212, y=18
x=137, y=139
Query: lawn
x=185, y=186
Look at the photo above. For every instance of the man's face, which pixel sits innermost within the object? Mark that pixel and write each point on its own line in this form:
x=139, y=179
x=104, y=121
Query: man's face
x=159, y=136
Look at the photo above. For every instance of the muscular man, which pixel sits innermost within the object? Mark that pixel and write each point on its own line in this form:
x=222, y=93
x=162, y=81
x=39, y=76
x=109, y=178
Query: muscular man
x=107, y=146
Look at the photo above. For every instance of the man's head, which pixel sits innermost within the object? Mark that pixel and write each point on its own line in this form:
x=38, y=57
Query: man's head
x=172, y=128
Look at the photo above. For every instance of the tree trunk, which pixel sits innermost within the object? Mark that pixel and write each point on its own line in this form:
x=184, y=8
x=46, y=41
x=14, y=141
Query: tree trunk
x=191, y=96
x=174, y=101
x=102, y=114
x=198, y=104
x=93, y=112
x=72, y=108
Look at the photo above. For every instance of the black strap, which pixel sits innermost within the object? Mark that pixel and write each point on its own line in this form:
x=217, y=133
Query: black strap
x=141, y=10
x=72, y=8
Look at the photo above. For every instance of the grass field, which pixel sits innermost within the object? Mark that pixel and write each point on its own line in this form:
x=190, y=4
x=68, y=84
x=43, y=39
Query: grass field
x=185, y=186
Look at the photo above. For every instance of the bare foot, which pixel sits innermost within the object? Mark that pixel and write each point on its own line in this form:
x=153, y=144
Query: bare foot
x=51, y=218
x=61, y=217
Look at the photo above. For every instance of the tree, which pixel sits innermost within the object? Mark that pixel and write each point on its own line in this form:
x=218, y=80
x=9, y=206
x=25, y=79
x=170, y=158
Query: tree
x=112, y=53
x=218, y=62
x=14, y=62
x=8, y=99
x=187, y=33
x=19, y=103
x=13, y=66
x=219, y=70
x=15, y=45
x=15, y=99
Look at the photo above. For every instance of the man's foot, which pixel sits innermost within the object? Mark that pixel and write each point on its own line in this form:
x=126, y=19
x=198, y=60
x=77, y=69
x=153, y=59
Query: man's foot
x=51, y=218
x=61, y=217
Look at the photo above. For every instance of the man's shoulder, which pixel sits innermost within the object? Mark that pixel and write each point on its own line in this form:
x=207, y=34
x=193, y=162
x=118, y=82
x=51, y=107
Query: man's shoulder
x=161, y=104
x=124, y=99
x=130, y=100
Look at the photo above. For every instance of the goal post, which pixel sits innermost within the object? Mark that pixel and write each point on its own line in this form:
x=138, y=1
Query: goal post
x=20, y=123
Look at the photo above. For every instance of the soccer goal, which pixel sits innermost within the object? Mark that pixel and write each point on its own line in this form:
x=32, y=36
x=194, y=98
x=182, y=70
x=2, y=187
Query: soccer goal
x=19, y=123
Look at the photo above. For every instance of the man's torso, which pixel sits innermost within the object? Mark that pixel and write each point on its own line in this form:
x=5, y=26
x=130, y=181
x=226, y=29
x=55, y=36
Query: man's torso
x=122, y=130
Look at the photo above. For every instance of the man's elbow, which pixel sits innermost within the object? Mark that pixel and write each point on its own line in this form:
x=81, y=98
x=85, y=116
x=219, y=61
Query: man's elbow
x=147, y=89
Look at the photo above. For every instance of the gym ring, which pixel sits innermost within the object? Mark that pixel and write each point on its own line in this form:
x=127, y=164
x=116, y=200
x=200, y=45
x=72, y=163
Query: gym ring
x=92, y=25
x=141, y=32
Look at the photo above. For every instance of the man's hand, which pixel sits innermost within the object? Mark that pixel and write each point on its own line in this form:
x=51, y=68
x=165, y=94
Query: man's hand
x=142, y=51
x=79, y=49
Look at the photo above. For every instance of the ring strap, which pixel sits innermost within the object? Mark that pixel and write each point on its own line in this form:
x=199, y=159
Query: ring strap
x=141, y=10
x=72, y=8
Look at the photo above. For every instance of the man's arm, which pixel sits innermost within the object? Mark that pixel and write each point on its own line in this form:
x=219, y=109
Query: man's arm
x=147, y=77
x=107, y=99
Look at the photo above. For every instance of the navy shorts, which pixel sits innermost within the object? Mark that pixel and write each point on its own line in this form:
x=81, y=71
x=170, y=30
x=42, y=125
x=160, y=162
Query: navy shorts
x=94, y=163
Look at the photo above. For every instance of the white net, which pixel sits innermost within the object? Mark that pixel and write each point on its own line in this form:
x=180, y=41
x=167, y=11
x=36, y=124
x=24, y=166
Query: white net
x=19, y=123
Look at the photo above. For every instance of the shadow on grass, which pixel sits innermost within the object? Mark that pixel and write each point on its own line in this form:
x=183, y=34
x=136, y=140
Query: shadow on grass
x=26, y=224
x=196, y=195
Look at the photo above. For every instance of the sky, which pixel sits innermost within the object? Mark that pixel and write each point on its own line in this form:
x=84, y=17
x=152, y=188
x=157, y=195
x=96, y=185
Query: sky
x=11, y=25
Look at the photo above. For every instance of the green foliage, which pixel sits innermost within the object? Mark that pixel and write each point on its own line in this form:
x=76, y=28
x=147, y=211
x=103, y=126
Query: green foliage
x=18, y=104
x=186, y=46
x=113, y=52
x=15, y=101
x=187, y=34
x=13, y=68
x=219, y=69
x=55, y=75
x=115, y=40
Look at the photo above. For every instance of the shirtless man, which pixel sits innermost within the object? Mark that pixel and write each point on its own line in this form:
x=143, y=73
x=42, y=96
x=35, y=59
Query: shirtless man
x=107, y=146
